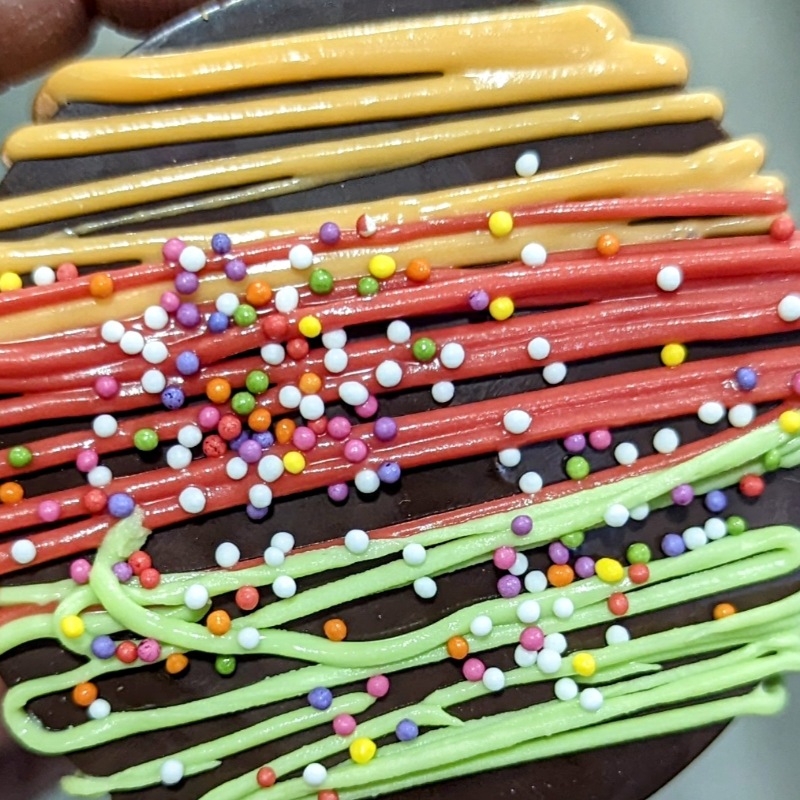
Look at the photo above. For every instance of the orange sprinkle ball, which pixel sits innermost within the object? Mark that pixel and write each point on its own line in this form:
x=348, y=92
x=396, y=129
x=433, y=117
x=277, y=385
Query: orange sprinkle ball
x=218, y=622
x=284, y=429
x=258, y=293
x=560, y=575
x=260, y=420
x=335, y=630
x=218, y=390
x=723, y=610
x=418, y=270
x=458, y=647
x=84, y=694
x=608, y=245
x=11, y=492
x=176, y=663
x=309, y=383
x=101, y=285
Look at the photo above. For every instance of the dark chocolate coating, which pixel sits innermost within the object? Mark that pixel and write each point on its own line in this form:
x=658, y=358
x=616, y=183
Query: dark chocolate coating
x=627, y=772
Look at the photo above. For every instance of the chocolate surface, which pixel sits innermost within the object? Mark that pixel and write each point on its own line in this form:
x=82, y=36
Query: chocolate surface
x=628, y=772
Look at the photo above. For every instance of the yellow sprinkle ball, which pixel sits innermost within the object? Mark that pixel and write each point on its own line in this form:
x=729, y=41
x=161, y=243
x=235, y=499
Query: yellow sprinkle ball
x=501, y=308
x=10, y=281
x=609, y=570
x=584, y=664
x=294, y=462
x=310, y=327
x=673, y=354
x=382, y=267
x=789, y=421
x=72, y=626
x=362, y=751
x=501, y=223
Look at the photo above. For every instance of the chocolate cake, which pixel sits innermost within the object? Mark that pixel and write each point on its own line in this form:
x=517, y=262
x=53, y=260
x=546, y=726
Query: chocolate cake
x=729, y=239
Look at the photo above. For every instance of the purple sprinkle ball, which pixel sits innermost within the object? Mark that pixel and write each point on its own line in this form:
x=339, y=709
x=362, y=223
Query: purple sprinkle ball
x=186, y=283
x=338, y=492
x=329, y=233
x=385, y=429
x=103, y=647
x=682, y=495
x=79, y=571
x=123, y=570
x=236, y=443
x=120, y=505
x=584, y=567
x=746, y=379
x=558, y=553
x=389, y=472
x=673, y=545
x=575, y=444
x=716, y=501
x=509, y=586
x=221, y=243
x=256, y=513
x=521, y=525
x=188, y=315
x=478, y=300
x=406, y=730
x=320, y=698
x=264, y=438
x=236, y=269
x=149, y=650
x=172, y=249
x=173, y=398
x=250, y=451
x=218, y=322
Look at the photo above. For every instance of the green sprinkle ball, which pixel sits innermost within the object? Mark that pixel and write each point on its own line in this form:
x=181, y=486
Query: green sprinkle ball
x=19, y=456
x=145, y=439
x=225, y=665
x=772, y=460
x=578, y=468
x=424, y=349
x=573, y=540
x=257, y=382
x=735, y=525
x=244, y=315
x=321, y=281
x=243, y=403
x=639, y=553
x=368, y=286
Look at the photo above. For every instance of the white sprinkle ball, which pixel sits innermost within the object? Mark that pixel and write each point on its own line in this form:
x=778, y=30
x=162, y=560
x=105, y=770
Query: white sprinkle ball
x=190, y=436
x=388, y=374
x=155, y=352
x=529, y=611
x=192, y=500
x=789, y=308
x=711, y=413
x=192, y=258
x=353, y=393
x=273, y=354
x=509, y=457
x=356, y=541
x=315, y=774
x=741, y=415
x=260, y=495
x=626, y=453
x=273, y=557
x=23, y=551
x=414, y=554
x=566, y=689
x=335, y=339
x=494, y=679
x=530, y=483
x=301, y=257
x=284, y=587
x=481, y=626
x=452, y=355
x=283, y=540
x=527, y=164
x=287, y=298
x=556, y=642
x=443, y=391
x=43, y=276
x=591, y=699
x=236, y=468
x=99, y=476
x=548, y=661
x=270, y=468
x=666, y=440
x=248, y=638
x=367, y=481
x=104, y=426
x=669, y=278
x=425, y=588
x=289, y=396
x=112, y=331
x=640, y=512
x=715, y=528
x=539, y=348
x=617, y=634
x=398, y=332
x=156, y=318
x=524, y=658
x=520, y=565
x=616, y=515
x=554, y=373
x=535, y=582
x=227, y=555
x=533, y=255
x=227, y=303
x=517, y=421
x=179, y=457
x=336, y=360
x=195, y=597
x=154, y=381
x=172, y=769
x=563, y=608
x=131, y=343
x=312, y=407
x=99, y=709
x=694, y=538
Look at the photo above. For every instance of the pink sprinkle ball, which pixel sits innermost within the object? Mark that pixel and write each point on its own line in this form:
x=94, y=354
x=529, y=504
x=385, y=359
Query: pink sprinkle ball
x=505, y=557
x=66, y=272
x=49, y=510
x=600, y=439
x=149, y=650
x=344, y=724
x=368, y=409
x=87, y=460
x=509, y=586
x=575, y=444
x=339, y=428
x=208, y=417
x=473, y=669
x=558, y=553
x=532, y=638
x=79, y=571
x=782, y=229
x=378, y=686
x=170, y=302
x=172, y=249
x=304, y=438
x=796, y=383
x=355, y=450
x=584, y=567
x=106, y=387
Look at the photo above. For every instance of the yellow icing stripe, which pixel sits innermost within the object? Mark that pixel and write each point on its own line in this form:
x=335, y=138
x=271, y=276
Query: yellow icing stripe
x=357, y=156
x=501, y=65
x=508, y=38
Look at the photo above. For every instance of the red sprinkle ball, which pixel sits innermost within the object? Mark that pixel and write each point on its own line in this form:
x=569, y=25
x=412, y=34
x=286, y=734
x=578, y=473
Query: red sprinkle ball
x=95, y=500
x=139, y=562
x=618, y=604
x=150, y=578
x=266, y=777
x=275, y=326
x=328, y=794
x=751, y=486
x=297, y=348
x=639, y=573
x=214, y=446
x=782, y=229
x=127, y=652
x=247, y=598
